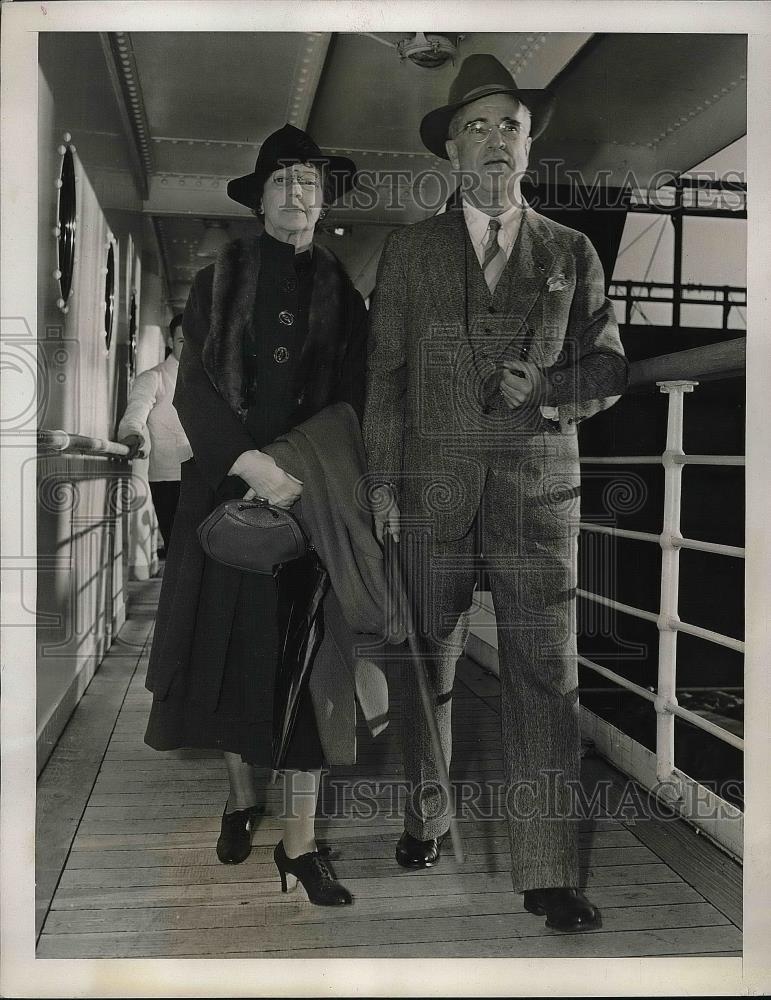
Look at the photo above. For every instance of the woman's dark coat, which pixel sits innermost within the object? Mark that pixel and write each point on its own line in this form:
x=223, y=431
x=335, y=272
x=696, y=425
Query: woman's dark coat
x=210, y=400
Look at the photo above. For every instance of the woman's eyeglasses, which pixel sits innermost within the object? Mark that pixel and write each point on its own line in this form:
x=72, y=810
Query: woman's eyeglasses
x=307, y=182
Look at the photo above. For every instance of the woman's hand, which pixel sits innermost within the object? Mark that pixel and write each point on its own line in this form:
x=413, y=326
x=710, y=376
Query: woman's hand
x=267, y=479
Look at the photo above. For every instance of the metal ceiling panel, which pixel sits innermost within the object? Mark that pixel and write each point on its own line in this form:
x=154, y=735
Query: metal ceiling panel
x=648, y=102
x=233, y=86
x=369, y=99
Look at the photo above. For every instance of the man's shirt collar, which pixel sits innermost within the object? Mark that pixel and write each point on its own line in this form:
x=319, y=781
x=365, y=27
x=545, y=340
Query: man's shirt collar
x=478, y=223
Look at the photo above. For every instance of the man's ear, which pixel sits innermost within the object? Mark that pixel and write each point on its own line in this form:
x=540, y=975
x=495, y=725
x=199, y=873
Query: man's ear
x=452, y=151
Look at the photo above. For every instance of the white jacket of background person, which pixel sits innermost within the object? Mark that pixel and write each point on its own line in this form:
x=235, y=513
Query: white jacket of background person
x=150, y=414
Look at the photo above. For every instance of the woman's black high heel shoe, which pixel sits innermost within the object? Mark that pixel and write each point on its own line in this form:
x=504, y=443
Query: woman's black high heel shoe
x=316, y=876
x=235, y=840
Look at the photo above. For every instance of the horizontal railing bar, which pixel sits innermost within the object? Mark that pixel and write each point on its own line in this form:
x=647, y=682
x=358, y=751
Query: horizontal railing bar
x=689, y=287
x=716, y=460
x=81, y=444
x=722, y=688
x=709, y=727
x=710, y=459
x=621, y=459
x=682, y=713
x=627, y=609
x=666, y=297
x=704, y=184
x=675, y=623
x=621, y=681
x=604, y=529
x=703, y=633
x=711, y=213
x=716, y=547
x=695, y=544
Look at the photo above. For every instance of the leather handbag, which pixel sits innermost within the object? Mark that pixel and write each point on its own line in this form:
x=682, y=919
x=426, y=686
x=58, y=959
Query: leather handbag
x=252, y=535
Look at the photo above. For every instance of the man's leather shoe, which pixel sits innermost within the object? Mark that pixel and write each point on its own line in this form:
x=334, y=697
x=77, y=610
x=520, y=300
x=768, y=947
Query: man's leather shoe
x=565, y=909
x=413, y=853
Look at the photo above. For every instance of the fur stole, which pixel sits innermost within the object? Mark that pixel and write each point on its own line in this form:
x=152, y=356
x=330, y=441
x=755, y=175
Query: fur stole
x=232, y=312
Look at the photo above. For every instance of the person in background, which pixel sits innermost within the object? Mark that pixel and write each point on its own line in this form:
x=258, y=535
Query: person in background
x=150, y=424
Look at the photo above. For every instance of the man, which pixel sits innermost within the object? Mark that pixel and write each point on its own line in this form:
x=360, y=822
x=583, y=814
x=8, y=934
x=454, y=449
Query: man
x=490, y=337
x=151, y=423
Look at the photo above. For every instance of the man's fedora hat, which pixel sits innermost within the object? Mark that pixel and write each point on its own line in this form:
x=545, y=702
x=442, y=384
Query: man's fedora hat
x=480, y=76
x=281, y=149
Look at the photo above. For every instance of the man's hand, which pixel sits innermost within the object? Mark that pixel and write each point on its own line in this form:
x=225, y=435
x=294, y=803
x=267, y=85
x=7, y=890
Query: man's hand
x=133, y=442
x=266, y=478
x=386, y=513
x=521, y=382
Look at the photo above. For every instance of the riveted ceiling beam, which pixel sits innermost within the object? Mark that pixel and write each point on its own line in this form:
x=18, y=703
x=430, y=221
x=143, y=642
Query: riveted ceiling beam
x=308, y=67
x=127, y=90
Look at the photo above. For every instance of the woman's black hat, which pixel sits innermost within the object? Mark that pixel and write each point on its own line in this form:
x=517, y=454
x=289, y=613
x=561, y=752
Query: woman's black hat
x=281, y=149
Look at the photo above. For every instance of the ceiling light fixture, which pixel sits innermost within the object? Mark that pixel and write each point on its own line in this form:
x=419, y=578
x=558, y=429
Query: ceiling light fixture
x=428, y=51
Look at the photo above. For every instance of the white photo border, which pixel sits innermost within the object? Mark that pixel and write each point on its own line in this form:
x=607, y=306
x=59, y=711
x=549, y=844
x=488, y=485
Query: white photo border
x=22, y=975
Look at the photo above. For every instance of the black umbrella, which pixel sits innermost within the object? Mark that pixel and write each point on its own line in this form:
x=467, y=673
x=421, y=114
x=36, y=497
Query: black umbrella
x=300, y=589
x=399, y=595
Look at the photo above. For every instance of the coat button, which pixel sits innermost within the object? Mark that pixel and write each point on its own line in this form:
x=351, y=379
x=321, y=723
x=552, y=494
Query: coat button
x=288, y=284
x=286, y=317
x=281, y=355
x=491, y=309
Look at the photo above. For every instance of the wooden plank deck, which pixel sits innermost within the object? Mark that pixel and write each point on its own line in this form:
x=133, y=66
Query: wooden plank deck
x=131, y=871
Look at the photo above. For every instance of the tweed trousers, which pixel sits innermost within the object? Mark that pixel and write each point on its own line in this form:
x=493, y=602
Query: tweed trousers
x=532, y=581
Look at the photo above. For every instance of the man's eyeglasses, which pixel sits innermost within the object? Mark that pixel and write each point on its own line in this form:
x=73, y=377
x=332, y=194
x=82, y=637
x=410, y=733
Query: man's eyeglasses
x=479, y=131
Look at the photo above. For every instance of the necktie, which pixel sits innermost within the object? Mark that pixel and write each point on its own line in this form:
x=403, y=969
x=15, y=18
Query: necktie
x=495, y=259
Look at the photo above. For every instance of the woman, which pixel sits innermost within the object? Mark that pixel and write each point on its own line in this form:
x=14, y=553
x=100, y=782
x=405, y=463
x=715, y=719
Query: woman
x=274, y=333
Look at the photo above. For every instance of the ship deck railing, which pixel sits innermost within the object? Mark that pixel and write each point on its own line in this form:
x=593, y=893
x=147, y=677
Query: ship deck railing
x=675, y=375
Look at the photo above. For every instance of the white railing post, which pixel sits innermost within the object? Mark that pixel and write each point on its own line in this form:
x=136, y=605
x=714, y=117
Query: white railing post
x=666, y=699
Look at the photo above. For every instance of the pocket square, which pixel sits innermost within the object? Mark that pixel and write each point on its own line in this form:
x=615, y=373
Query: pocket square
x=557, y=282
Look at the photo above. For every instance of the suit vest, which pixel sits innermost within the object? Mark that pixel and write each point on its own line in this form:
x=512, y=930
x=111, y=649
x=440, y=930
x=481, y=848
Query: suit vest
x=489, y=317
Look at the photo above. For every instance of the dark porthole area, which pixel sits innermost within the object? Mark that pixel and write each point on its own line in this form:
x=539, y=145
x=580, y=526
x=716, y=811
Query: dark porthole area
x=65, y=230
x=109, y=295
x=132, y=351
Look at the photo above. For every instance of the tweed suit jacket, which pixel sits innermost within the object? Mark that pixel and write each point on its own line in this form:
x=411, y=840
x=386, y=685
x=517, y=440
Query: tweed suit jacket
x=434, y=423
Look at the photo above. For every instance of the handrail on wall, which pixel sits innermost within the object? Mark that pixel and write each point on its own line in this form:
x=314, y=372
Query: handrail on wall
x=80, y=444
